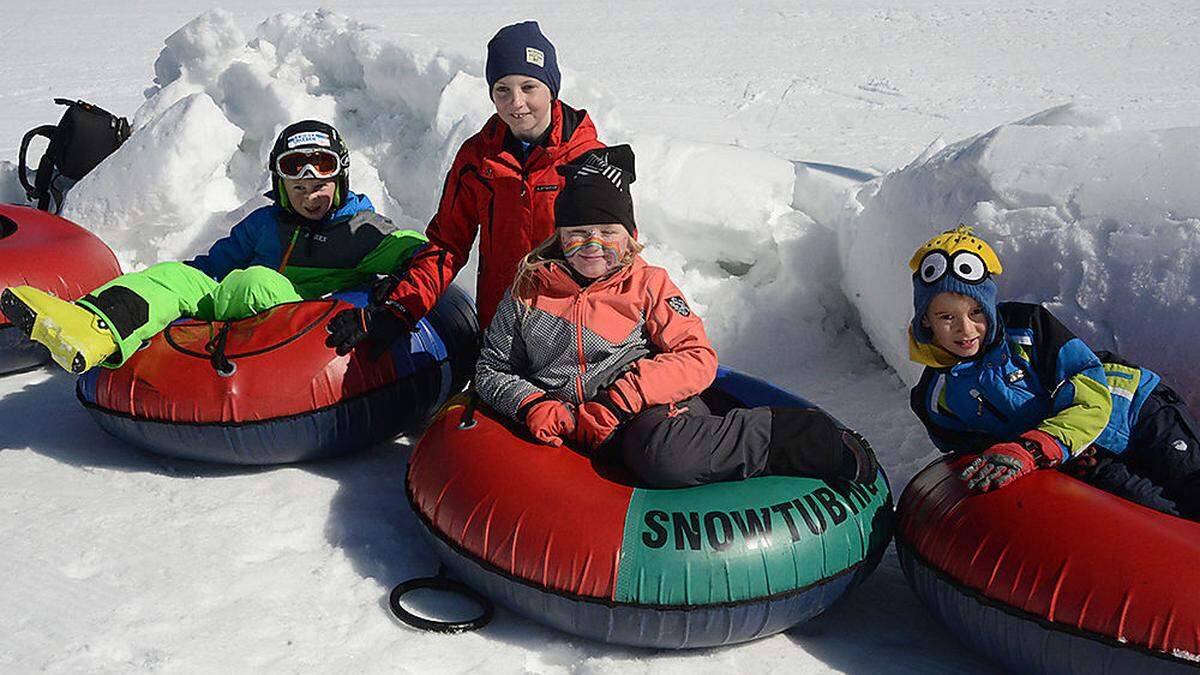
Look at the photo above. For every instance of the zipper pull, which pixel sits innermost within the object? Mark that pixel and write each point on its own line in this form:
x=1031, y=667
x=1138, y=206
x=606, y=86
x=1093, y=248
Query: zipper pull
x=979, y=399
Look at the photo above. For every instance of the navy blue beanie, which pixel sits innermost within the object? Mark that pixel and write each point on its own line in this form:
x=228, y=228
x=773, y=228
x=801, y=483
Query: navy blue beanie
x=521, y=49
x=983, y=292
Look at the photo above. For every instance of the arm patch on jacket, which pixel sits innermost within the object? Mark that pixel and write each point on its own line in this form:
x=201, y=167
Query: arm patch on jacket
x=680, y=305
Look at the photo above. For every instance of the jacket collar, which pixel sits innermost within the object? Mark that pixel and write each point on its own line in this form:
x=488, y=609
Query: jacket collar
x=929, y=354
x=556, y=279
x=563, y=135
x=354, y=204
x=933, y=356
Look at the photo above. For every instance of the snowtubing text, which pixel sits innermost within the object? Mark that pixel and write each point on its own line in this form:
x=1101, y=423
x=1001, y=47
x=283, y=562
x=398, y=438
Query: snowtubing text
x=719, y=529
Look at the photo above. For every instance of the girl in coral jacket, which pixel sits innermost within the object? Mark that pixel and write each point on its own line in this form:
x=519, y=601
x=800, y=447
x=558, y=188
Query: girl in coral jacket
x=1014, y=386
x=595, y=348
x=501, y=186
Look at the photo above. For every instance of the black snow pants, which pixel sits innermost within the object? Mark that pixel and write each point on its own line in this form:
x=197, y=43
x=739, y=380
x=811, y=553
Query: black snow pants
x=685, y=444
x=1161, y=466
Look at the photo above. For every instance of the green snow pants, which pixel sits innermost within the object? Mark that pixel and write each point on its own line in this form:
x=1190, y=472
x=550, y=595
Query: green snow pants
x=138, y=305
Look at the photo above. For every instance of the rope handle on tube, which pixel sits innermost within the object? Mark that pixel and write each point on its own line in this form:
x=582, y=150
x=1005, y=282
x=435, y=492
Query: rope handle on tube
x=440, y=582
x=216, y=349
x=467, y=421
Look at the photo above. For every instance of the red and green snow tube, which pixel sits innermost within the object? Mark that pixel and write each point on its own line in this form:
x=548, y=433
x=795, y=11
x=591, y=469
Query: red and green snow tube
x=1052, y=575
x=43, y=250
x=268, y=390
x=576, y=545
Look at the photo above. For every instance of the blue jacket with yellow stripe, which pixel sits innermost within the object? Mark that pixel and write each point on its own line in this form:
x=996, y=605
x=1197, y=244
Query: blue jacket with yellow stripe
x=1035, y=375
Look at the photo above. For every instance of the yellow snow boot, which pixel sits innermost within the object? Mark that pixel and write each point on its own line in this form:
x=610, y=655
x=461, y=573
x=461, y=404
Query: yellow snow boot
x=77, y=339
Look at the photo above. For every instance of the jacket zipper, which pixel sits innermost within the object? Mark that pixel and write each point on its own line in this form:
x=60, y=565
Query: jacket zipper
x=579, y=344
x=984, y=403
x=291, y=245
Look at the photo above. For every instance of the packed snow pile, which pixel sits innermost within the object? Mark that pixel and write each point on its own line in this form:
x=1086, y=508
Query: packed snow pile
x=761, y=270
x=1100, y=223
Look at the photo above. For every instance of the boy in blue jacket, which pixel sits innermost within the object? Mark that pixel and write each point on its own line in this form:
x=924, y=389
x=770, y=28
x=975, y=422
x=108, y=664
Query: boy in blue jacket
x=1014, y=386
x=317, y=238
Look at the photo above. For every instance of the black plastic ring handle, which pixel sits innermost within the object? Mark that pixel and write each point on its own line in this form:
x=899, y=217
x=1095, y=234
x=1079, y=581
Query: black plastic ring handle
x=440, y=583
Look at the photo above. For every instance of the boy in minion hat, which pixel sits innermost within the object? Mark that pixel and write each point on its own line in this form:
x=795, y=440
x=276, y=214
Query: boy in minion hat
x=1011, y=384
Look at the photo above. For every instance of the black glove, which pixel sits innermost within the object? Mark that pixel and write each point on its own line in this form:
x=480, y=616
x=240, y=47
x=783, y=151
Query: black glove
x=349, y=327
x=381, y=290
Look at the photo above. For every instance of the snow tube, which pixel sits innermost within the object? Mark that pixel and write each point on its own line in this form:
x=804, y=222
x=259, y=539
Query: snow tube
x=266, y=390
x=575, y=545
x=42, y=250
x=1052, y=575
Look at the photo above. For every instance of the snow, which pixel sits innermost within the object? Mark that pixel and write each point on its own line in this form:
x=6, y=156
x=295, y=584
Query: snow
x=180, y=159
x=1179, y=653
x=752, y=156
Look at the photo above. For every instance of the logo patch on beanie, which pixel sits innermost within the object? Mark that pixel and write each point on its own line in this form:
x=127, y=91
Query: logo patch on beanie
x=680, y=305
x=535, y=56
x=309, y=138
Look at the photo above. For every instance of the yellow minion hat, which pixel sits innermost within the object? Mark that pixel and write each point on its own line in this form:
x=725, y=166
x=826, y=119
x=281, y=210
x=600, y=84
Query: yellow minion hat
x=951, y=242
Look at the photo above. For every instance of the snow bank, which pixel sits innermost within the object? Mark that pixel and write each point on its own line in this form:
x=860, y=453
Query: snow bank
x=762, y=272
x=159, y=189
x=1100, y=223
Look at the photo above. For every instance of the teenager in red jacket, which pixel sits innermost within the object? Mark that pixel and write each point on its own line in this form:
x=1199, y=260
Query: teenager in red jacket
x=595, y=348
x=501, y=186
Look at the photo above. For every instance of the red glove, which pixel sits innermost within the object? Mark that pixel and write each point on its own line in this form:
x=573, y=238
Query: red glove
x=550, y=421
x=1003, y=463
x=596, y=424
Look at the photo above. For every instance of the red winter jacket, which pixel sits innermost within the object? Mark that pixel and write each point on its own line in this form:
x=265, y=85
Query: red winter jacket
x=631, y=337
x=489, y=191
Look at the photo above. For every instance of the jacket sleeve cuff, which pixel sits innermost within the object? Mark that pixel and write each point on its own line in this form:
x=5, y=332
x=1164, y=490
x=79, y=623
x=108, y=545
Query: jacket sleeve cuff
x=527, y=403
x=622, y=398
x=402, y=313
x=1046, y=449
x=604, y=400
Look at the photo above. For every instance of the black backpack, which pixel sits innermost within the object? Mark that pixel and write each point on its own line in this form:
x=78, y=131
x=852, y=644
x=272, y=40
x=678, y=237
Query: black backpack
x=84, y=136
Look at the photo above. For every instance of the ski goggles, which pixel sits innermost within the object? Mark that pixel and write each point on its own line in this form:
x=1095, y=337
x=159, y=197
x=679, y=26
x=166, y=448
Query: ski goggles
x=308, y=163
x=966, y=266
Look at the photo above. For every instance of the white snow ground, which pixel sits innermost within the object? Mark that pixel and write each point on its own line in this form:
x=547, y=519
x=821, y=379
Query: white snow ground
x=113, y=560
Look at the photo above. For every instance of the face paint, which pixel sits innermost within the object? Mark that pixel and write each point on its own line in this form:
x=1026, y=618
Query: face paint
x=593, y=244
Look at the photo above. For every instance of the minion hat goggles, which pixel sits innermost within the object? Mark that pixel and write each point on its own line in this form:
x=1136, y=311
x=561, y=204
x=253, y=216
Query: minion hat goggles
x=955, y=261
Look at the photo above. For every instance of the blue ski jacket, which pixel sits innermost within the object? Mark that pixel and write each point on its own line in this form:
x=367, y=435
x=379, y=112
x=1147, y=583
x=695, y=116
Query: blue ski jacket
x=259, y=239
x=1035, y=375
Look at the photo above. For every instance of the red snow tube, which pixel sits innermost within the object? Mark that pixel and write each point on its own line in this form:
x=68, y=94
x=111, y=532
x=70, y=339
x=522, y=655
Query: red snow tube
x=1052, y=575
x=577, y=545
x=267, y=389
x=40, y=249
